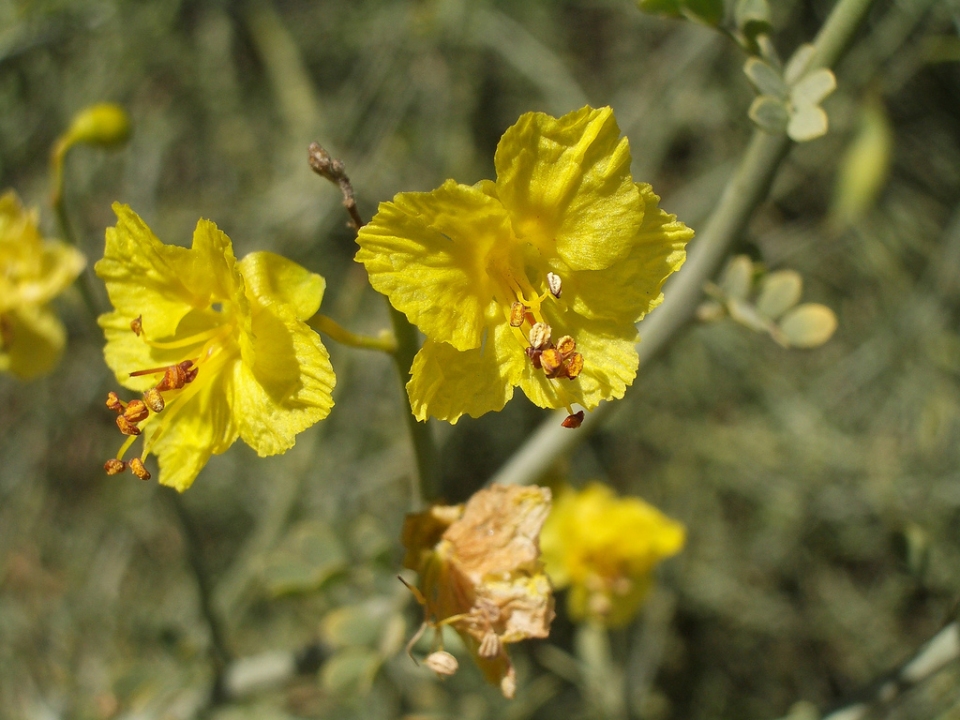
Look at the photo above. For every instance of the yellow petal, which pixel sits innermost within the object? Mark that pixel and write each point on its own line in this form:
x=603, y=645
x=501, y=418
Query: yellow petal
x=566, y=184
x=427, y=252
x=287, y=388
x=203, y=426
x=269, y=275
x=448, y=383
x=629, y=289
x=142, y=276
x=37, y=338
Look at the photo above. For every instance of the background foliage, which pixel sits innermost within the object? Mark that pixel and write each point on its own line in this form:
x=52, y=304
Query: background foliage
x=820, y=488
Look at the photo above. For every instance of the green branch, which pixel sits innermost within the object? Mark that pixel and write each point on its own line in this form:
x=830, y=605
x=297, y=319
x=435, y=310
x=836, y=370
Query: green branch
x=407, y=341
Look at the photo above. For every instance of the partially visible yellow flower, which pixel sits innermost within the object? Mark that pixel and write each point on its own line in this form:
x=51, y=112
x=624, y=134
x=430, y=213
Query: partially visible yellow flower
x=535, y=280
x=218, y=347
x=605, y=549
x=480, y=573
x=32, y=272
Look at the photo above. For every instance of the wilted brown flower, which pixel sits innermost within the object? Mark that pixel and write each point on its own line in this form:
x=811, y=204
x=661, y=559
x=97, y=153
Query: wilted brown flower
x=481, y=574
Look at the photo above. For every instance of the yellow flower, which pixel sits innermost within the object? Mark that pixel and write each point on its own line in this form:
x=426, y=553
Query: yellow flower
x=32, y=272
x=480, y=573
x=535, y=280
x=218, y=348
x=605, y=549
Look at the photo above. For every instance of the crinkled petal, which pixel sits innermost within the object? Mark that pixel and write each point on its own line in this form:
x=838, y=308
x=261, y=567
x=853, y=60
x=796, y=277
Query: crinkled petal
x=629, y=289
x=37, y=338
x=142, y=275
x=428, y=253
x=448, y=383
x=289, y=385
x=269, y=275
x=567, y=186
x=203, y=426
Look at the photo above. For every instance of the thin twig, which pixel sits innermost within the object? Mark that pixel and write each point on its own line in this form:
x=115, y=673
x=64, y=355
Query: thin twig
x=408, y=344
x=335, y=171
x=220, y=654
x=941, y=649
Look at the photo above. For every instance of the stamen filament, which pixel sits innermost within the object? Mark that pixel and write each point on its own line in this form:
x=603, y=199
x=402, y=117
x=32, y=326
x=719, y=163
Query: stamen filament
x=187, y=341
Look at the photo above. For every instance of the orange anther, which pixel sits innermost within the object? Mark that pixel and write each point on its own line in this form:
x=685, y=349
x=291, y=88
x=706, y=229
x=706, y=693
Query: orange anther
x=518, y=313
x=137, y=468
x=551, y=362
x=153, y=400
x=573, y=421
x=127, y=427
x=573, y=365
x=114, y=402
x=176, y=376
x=566, y=346
x=137, y=325
x=136, y=411
x=114, y=466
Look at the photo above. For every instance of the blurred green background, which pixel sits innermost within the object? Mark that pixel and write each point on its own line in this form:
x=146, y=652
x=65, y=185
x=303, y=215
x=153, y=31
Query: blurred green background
x=820, y=489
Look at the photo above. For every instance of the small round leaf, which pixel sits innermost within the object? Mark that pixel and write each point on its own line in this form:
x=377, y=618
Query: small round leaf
x=737, y=278
x=807, y=123
x=808, y=325
x=770, y=114
x=765, y=78
x=779, y=292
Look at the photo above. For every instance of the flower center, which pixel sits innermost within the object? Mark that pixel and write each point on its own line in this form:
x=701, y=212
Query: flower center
x=205, y=353
x=523, y=308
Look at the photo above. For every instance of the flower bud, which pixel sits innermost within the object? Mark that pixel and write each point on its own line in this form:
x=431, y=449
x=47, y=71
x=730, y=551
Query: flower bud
x=103, y=124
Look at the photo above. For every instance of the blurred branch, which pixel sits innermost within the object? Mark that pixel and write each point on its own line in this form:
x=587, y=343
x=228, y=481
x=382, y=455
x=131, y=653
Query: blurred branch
x=219, y=652
x=407, y=341
x=745, y=191
x=941, y=649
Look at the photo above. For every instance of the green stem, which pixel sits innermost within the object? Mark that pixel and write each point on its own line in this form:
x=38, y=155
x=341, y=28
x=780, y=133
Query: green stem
x=407, y=342
x=85, y=281
x=428, y=460
x=385, y=342
x=746, y=190
x=220, y=654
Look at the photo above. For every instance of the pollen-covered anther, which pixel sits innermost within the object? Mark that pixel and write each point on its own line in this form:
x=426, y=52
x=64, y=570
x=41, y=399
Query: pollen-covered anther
x=573, y=365
x=137, y=468
x=176, y=376
x=539, y=336
x=114, y=466
x=555, y=284
x=154, y=400
x=534, y=356
x=551, y=361
x=518, y=313
x=566, y=346
x=137, y=325
x=573, y=421
x=135, y=411
x=127, y=427
x=114, y=402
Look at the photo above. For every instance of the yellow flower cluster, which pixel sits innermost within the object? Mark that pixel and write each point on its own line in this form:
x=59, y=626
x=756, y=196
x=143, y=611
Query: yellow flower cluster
x=534, y=281
x=218, y=347
x=33, y=271
x=605, y=549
